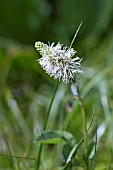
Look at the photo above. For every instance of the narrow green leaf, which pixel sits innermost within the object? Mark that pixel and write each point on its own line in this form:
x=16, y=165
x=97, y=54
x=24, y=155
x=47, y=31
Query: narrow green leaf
x=71, y=154
x=91, y=150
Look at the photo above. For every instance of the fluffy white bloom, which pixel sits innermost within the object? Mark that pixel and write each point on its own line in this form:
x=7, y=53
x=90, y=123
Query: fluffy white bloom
x=57, y=61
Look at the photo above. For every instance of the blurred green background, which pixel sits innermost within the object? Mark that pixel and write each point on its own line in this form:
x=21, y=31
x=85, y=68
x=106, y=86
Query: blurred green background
x=25, y=89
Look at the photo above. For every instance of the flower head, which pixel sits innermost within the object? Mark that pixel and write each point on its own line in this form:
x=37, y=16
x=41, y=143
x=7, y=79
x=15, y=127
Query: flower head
x=58, y=61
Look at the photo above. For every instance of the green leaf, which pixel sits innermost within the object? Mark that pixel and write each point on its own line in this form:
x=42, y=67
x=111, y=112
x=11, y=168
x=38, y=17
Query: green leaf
x=55, y=137
x=91, y=150
x=71, y=154
x=68, y=153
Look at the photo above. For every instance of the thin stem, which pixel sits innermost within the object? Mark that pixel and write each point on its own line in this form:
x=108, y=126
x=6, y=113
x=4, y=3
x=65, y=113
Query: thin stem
x=84, y=125
x=51, y=102
x=45, y=125
x=75, y=34
x=94, y=159
x=9, y=149
x=19, y=157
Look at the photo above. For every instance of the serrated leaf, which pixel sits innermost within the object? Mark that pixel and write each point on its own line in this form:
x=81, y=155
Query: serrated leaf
x=69, y=152
x=55, y=137
x=66, y=151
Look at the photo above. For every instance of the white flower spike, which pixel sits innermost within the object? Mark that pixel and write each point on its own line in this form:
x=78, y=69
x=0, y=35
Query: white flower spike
x=58, y=61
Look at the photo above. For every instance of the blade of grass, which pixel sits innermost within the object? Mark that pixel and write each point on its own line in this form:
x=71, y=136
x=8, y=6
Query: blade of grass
x=76, y=34
x=5, y=137
x=82, y=139
x=19, y=157
x=107, y=158
x=16, y=111
x=18, y=164
x=95, y=80
x=25, y=168
x=94, y=159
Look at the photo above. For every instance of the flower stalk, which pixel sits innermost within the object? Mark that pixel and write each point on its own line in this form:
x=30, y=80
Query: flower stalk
x=84, y=126
x=45, y=125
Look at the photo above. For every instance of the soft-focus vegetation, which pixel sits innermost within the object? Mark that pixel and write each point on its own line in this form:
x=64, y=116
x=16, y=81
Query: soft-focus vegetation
x=25, y=89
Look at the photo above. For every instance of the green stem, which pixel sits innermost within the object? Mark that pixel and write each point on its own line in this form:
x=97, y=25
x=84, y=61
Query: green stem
x=45, y=125
x=84, y=125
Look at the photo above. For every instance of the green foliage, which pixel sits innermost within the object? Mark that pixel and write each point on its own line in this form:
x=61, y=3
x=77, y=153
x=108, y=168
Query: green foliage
x=55, y=137
x=71, y=152
x=25, y=89
x=66, y=151
x=91, y=150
